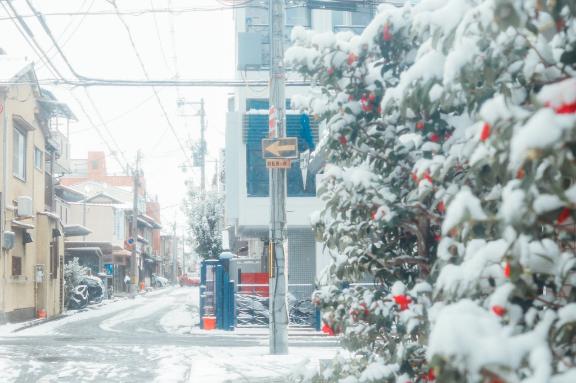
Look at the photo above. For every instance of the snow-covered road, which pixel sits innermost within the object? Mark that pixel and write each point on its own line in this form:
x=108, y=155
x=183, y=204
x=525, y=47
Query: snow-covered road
x=153, y=338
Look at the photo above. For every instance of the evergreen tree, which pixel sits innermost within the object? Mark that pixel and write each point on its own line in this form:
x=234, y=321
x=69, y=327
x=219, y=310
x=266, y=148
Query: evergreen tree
x=450, y=141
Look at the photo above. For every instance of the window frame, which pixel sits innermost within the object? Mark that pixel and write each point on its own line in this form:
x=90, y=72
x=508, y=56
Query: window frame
x=38, y=158
x=15, y=149
x=13, y=264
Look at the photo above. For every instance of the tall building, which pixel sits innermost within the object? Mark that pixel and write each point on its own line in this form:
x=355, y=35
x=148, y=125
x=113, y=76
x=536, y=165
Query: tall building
x=247, y=202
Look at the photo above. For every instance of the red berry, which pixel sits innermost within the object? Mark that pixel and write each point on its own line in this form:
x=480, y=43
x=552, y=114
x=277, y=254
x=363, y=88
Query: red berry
x=352, y=58
x=507, y=270
x=566, y=108
x=403, y=301
x=379, y=110
x=330, y=71
x=441, y=207
x=414, y=177
x=343, y=140
x=485, y=133
x=371, y=97
x=560, y=24
x=563, y=216
x=386, y=35
x=431, y=376
x=426, y=176
x=520, y=173
x=499, y=310
x=327, y=330
x=434, y=137
x=420, y=125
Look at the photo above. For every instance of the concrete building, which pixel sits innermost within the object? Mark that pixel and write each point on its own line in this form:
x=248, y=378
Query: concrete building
x=247, y=202
x=31, y=262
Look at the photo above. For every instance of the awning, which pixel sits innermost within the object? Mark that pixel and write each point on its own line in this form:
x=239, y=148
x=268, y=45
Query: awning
x=22, y=225
x=105, y=247
x=118, y=257
x=76, y=230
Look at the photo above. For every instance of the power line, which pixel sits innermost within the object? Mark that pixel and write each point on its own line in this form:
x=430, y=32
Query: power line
x=143, y=12
x=143, y=67
x=48, y=31
x=26, y=32
x=157, y=83
x=158, y=36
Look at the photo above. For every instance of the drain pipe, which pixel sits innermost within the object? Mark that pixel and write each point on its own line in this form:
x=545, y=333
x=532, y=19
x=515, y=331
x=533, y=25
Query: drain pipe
x=4, y=253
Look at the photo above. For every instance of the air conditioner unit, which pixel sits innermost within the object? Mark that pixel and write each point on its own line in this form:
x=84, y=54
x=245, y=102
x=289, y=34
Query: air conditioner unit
x=24, y=208
x=9, y=239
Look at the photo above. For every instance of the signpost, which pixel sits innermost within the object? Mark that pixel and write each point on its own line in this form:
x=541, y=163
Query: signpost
x=280, y=148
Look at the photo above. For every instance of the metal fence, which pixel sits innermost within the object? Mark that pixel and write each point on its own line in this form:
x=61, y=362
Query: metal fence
x=252, y=308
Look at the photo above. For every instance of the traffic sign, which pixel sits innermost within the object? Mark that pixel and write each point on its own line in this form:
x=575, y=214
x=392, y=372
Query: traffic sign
x=286, y=148
x=280, y=163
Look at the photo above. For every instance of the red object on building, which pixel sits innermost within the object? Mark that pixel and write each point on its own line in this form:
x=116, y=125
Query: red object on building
x=254, y=279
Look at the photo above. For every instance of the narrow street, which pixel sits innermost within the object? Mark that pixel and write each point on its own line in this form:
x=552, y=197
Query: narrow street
x=154, y=338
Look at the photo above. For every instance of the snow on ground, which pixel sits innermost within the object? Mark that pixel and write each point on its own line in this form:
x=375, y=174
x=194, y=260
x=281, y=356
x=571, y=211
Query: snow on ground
x=93, y=311
x=118, y=341
x=233, y=364
x=181, y=320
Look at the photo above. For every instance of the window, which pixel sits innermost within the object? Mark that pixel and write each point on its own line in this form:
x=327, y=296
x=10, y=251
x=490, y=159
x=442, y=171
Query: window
x=16, y=265
x=54, y=258
x=38, y=158
x=298, y=16
x=19, y=155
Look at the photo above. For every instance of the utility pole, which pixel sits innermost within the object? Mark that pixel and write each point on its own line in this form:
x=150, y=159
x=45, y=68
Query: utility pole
x=174, y=255
x=278, y=276
x=134, y=263
x=202, y=148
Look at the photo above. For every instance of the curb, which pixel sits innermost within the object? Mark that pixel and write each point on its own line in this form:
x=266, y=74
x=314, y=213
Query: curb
x=38, y=322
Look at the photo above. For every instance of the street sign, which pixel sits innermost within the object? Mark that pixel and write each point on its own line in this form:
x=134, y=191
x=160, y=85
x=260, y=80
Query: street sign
x=304, y=160
x=274, y=148
x=280, y=163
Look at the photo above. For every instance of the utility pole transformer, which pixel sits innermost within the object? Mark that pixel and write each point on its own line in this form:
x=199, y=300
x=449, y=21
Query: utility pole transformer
x=278, y=259
x=134, y=264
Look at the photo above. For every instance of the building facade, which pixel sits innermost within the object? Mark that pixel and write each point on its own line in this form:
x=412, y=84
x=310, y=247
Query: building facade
x=31, y=262
x=247, y=188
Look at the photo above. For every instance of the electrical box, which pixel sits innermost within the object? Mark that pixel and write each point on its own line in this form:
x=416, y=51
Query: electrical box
x=39, y=274
x=24, y=208
x=8, y=240
x=249, y=51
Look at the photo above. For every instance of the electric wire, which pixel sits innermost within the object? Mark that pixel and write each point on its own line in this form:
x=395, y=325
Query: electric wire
x=158, y=36
x=46, y=28
x=143, y=12
x=26, y=32
x=145, y=71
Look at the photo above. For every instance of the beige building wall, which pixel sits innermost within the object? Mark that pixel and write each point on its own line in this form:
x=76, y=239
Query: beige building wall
x=20, y=295
x=101, y=220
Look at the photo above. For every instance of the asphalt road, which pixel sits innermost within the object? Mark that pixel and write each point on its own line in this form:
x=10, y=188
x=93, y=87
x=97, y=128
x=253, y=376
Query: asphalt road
x=153, y=338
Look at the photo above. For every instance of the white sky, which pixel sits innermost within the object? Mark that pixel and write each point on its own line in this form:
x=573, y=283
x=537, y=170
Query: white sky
x=98, y=46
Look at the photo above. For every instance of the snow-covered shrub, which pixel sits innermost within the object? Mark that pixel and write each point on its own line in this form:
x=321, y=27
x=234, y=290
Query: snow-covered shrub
x=204, y=212
x=73, y=273
x=451, y=144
